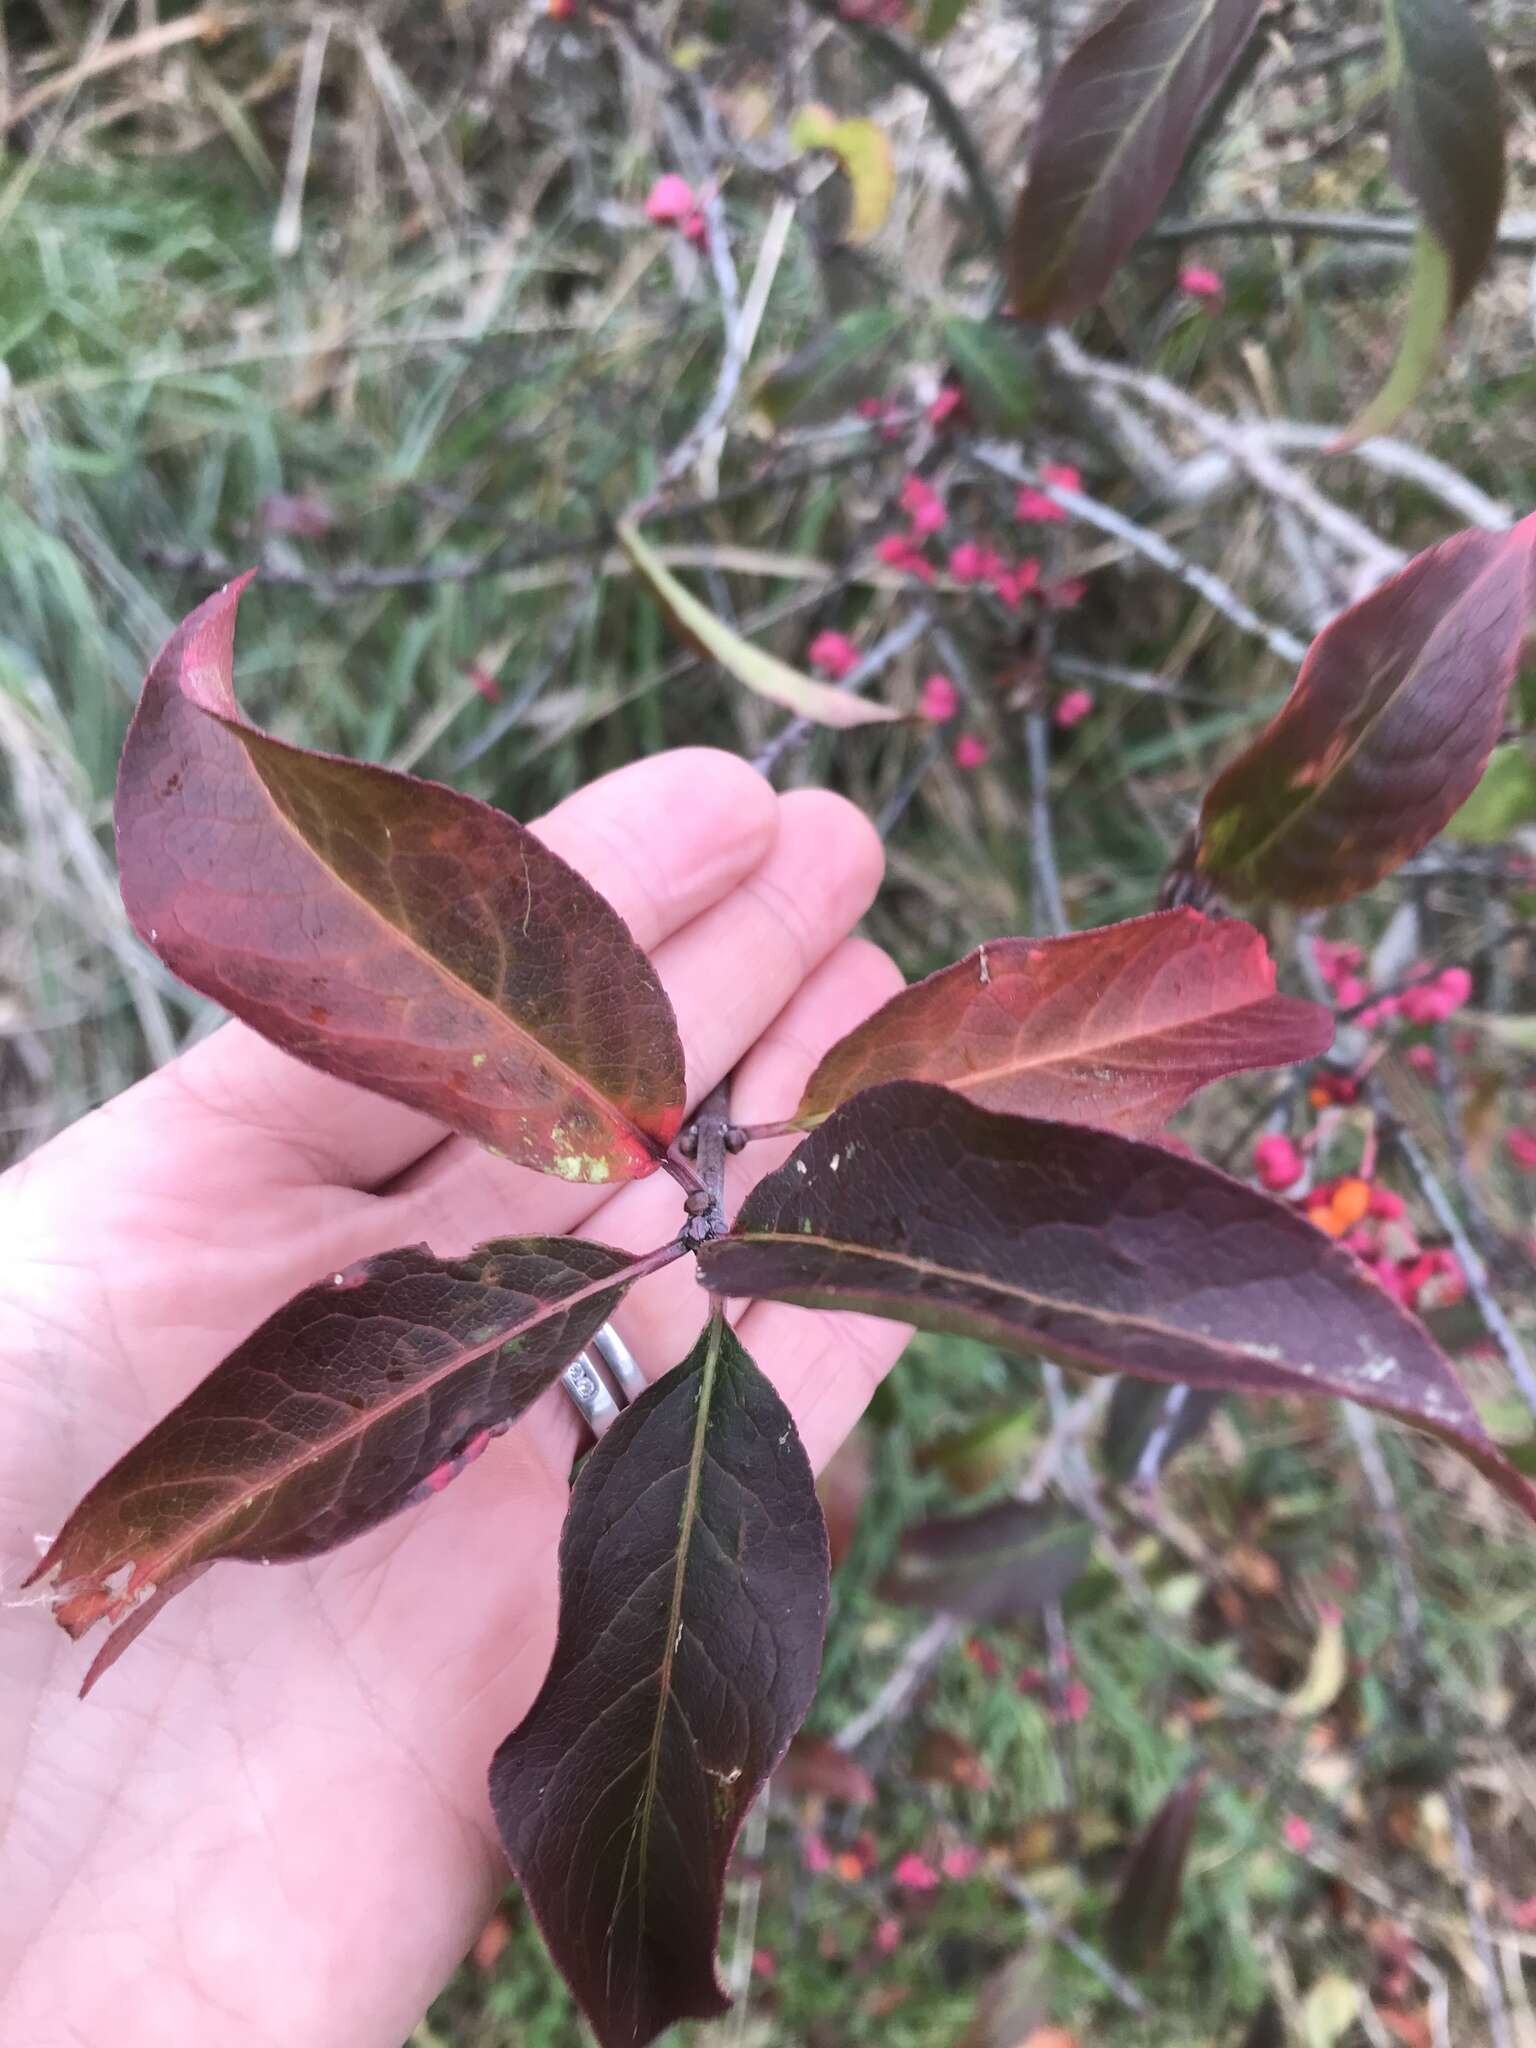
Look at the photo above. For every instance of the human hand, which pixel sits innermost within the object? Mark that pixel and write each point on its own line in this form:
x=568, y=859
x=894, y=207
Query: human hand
x=270, y=1823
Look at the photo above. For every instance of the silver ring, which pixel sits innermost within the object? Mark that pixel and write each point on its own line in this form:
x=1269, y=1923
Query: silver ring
x=603, y=1379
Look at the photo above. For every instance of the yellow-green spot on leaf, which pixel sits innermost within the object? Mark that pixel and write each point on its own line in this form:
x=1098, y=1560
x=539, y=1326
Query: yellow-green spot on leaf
x=478, y=1060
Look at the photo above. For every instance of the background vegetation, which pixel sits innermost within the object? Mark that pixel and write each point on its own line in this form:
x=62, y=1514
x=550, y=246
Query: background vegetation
x=369, y=295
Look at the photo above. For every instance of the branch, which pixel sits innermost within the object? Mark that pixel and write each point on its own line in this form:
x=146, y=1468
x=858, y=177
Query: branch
x=1151, y=546
x=1517, y=232
x=1248, y=451
x=1479, y=1286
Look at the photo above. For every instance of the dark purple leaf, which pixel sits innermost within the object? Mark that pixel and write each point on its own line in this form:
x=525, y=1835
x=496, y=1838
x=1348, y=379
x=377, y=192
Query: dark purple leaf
x=1117, y=124
x=693, y=1599
x=998, y=1564
x=1387, y=732
x=365, y=1394
x=1097, y=1250
x=394, y=933
x=1147, y=1902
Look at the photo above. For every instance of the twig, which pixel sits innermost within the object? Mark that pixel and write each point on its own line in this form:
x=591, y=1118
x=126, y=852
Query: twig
x=1151, y=546
x=1479, y=1286
x=505, y=558
x=287, y=228
x=1417, y=1671
x=1044, y=874
x=1200, y=479
x=754, y=1839
x=708, y=1139
x=1045, y=1922
x=917, y=1661
x=1250, y=452
x=1517, y=231
x=1140, y=680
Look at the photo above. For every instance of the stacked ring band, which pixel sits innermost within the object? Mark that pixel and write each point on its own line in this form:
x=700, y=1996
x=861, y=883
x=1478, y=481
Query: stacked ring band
x=603, y=1379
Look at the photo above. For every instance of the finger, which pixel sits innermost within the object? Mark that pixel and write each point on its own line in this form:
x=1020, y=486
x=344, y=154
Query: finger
x=825, y=1363
x=662, y=840
x=729, y=974
x=661, y=1319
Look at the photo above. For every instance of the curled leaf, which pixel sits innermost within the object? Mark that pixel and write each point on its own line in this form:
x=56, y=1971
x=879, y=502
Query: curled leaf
x=390, y=931
x=1096, y=1250
x=363, y=1395
x=1448, y=150
x=1117, y=1027
x=763, y=673
x=1387, y=732
x=863, y=150
x=1118, y=121
x=693, y=1598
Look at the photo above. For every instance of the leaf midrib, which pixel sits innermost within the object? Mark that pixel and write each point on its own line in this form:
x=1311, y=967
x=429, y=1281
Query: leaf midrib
x=687, y=1522
x=1094, y=1048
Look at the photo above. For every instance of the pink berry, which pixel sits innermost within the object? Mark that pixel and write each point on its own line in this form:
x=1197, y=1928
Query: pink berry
x=1522, y=1149
x=1277, y=1162
x=1062, y=475
x=915, y=1874
x=939, y=699
x=1036, y=509
x=671, y=200
x=1297, y=1833
x=1455, y=986
x=1074, y=708
x=922, y=505
x=967, y=562
x=1198, y=283
x=971, y=752
x=1387, y=1205
x=834, y=654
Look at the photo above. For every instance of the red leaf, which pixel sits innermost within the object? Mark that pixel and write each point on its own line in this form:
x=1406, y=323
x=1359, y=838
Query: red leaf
x=399, y=935
x=1094, y=1249
x=693, y=1597
x=1387, y=732
x=1118, y=121
x=363, y=1395
x=817, y=1769
x=1117, y=1027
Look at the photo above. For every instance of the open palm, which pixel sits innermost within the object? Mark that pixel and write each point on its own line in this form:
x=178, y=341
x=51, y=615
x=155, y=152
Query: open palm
x=270, y=1824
